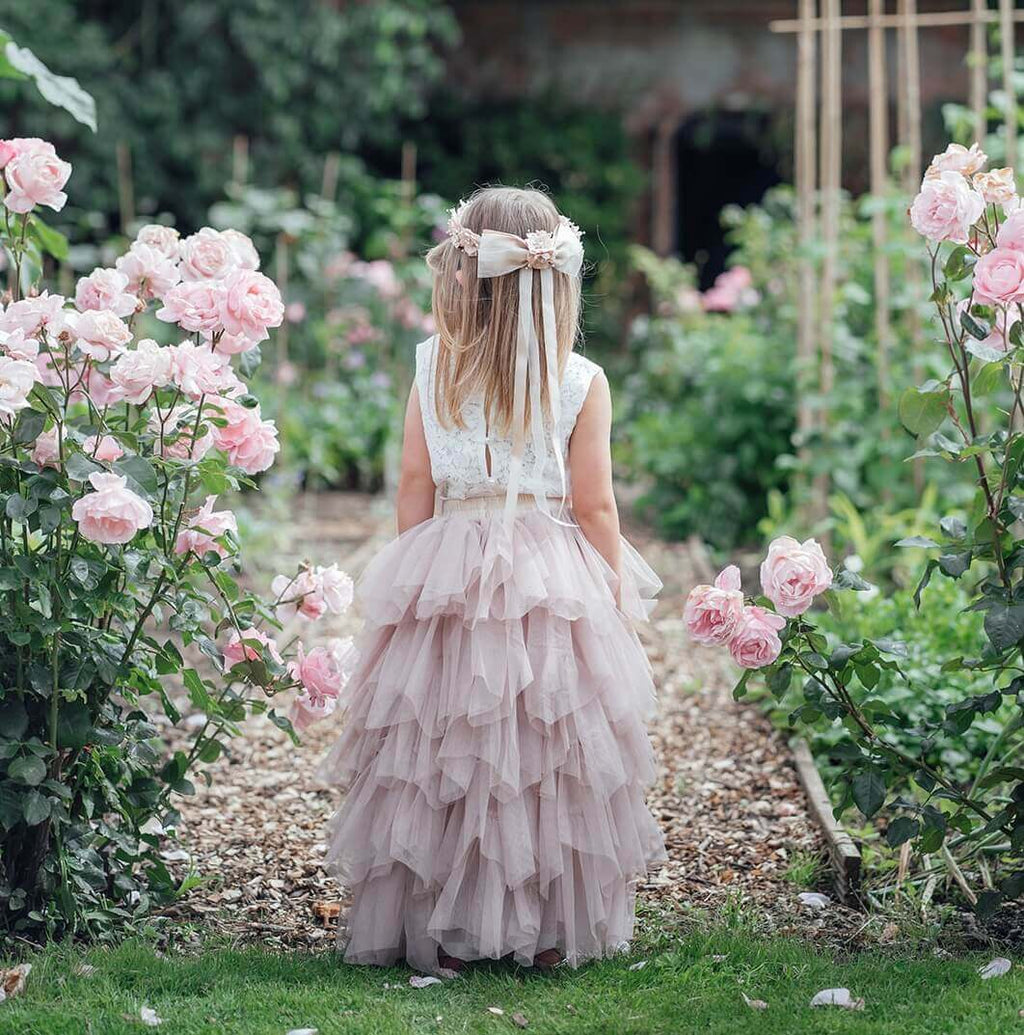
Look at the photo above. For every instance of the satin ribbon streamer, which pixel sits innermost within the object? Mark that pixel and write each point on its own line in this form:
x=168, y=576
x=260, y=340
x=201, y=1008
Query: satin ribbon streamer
x=500, y=253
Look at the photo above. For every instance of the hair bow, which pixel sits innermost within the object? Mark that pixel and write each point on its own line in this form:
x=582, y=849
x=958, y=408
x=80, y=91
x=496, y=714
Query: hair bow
x=500, y=253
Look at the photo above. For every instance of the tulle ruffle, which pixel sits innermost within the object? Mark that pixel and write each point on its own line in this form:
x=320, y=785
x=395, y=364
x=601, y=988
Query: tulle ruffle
x=494, y=749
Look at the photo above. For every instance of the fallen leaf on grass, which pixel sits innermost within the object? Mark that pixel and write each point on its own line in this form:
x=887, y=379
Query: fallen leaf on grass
x=720, y=957
x=837, y=997
x=814, y=900
x=572, y=1009
x=754, y=1004
x=303, y=1031
x=496, y=1010
x=889, y=933
x=83, y=970
x=639, y=965
x=519, y=1020
x=12, y=980
x=150, y=1017
x=419, y=981
x=995, y=968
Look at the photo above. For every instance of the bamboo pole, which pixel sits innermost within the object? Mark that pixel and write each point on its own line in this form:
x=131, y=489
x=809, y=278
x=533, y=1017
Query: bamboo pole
x=806, y=183
x=332, y=169
x=879, y=148
x=979, y=66
x=281, y=278
x=125, y=186
x=239, y=160
x=663, y=237
x=1006, y=33
x=927, y=20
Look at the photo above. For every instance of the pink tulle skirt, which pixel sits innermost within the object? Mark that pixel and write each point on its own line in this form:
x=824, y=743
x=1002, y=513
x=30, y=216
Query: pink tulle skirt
x=494, y=749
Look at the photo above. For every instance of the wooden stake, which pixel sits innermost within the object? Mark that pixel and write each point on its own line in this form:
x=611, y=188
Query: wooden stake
x=1006, y=32
x=240, y=161
x=879, y=146
x=806, y=181
x=329, y=183
x=979, y=67
x=281, y=277
x=125, y=186
x=927, y=20
x=663, y=236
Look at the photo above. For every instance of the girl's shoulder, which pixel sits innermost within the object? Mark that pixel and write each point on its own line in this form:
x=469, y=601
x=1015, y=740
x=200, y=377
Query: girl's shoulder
x=579, y=373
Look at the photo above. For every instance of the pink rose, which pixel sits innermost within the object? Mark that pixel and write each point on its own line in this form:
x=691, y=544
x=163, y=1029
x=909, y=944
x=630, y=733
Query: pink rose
x=999, y=276
x=711, y=612
x=756, y=643
x=380, y=274
x=43, y=312
x=45, y=450
x=139, y=371
x=105, y=448
x=197, y=370
x=150, y=273
x=305, y=711
x=101, y=389
x=249, y=441
x=165, y=239
x=295, y=312
x=233, y=344
x=250, y=304
x=1011, y=233
x=18, y=345
x=793, y=574
x=946, y=208
x=174, y=433
x=335, y=587
x=244, y=251
x=17, y=379
x=106, y=289
x=959, y=159
x=8, y=150
x=35, y=176
x=997, y=187
x=113, y=513
x=322, y=672
x=101, y=333
x=207, y=255
x=204, y=529
x=312, y=592
x=248, y=647
x=194, y=306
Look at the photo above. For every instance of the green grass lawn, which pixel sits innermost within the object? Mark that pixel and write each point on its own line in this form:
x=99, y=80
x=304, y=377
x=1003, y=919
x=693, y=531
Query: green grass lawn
x=690, y=984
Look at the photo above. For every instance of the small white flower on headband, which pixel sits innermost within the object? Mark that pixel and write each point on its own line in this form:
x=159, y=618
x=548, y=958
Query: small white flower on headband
x=541, y=248
x=461, y=236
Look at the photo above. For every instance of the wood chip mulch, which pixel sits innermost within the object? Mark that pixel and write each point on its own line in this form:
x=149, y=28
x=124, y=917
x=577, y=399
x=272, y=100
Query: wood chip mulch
x=727, y=795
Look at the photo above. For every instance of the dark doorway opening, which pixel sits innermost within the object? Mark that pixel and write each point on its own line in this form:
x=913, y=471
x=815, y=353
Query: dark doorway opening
x=722, y=158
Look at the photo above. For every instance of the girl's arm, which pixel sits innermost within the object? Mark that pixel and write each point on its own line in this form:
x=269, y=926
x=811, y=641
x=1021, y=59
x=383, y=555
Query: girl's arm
x=416, y=485
x=590, y=467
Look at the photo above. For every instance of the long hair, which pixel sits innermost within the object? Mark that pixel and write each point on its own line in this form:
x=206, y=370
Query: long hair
x=477, y=319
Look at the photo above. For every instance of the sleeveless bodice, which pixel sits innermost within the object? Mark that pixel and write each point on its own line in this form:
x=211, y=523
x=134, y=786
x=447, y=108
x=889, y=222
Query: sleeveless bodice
x=458, y=456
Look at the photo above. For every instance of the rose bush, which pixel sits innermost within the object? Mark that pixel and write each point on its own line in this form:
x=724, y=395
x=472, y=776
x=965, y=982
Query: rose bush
x=900, y=761
x=117, y=564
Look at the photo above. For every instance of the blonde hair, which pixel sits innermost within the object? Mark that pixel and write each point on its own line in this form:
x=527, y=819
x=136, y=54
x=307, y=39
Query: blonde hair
x=477, y=319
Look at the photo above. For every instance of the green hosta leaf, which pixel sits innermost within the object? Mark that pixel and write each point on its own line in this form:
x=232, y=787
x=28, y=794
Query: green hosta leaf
x=921, y=413
x=869, y=791
x=60, y=90
x=28, y=770
x=1004, y=625
x=901, y=829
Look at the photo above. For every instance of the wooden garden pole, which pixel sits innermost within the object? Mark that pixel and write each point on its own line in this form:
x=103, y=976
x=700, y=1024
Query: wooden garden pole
x=879, y=149
x=979, y=66
x=1006, y=33
x=240, y=160
x=281, y=277
x=329, y=183
x=806, y=183
x=125, y=187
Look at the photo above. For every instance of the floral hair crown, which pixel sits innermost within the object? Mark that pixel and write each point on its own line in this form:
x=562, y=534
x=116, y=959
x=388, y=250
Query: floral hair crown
x=540, y=244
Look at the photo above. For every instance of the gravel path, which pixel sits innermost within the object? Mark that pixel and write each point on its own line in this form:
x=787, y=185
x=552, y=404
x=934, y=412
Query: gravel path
x=727, y=795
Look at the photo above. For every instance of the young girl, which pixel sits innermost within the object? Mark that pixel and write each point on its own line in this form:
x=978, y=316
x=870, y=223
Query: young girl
x=494, y=749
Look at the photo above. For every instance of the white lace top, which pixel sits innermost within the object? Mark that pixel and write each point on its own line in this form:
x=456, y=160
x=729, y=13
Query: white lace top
x=458, y=456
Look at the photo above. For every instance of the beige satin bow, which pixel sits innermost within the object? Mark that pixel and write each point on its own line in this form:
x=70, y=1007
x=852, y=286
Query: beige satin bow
x=500, y=253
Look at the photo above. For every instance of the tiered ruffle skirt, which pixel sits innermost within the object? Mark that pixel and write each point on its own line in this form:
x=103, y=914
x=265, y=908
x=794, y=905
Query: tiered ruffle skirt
x=494, y=749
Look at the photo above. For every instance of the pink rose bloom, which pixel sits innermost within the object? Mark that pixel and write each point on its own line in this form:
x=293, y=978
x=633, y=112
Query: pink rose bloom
x=106, y=289
x=207, y=255
x=203, y=530
x=233, y=344
x=197, y=370
x=959, y=159
x=380, y=275
x=35, y=176
x=793, y=574
x=194, y=306
x=142, y=369
x=711, y=612
x=997, y=187
x=101, y=389
x=18, y=345
x=45, y=450
x=756, y=643
x=946, y=208
x=17, y=379
x=43, y=312
x=113, y=513
x=295, y=312
x=242, y=248
x=322, y=671
x=8, y=150
x=335, y=587
x=165, y=239
x=999, y=276
x=1011, y=233
x=105, y=448
x=150, y=273
x=304, y=711
x=101, y=333
x=249, y=441
x=312, y=592
x=247, y=648
x=174, y=434
x=250, y=304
